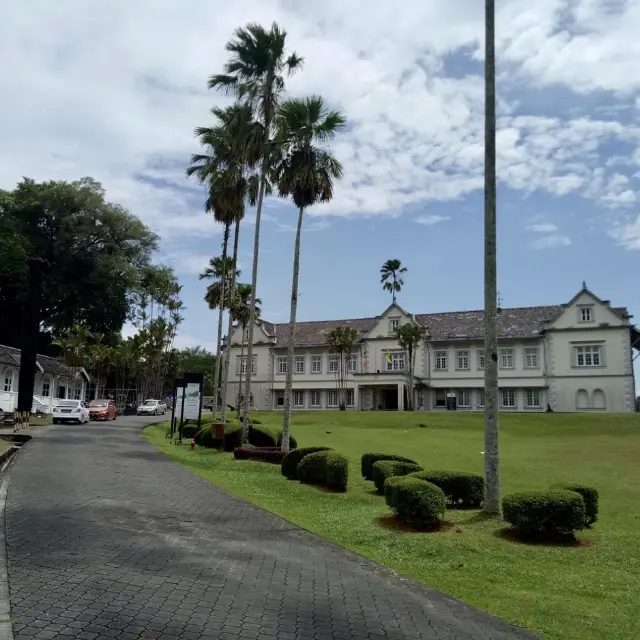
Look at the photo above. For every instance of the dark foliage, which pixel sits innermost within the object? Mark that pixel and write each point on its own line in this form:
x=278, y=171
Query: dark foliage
x=415, y=502
x=369, y=459
x=463, y=490
x=264, y=454
x=232, y=437
x=291, y=461
x=261, y=436
x=589, y=495
x=384, y=469
x=327, y=468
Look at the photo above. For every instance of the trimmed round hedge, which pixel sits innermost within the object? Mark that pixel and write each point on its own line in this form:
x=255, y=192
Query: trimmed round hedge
x=589, y=495
x=262, y=436
x=415, y=502
x=232, y=437
x=545, y=513
x=463, y=490
x=327, y=468
x=189, y=430
x=291, y=461
x=384, y=469
x=369, y=459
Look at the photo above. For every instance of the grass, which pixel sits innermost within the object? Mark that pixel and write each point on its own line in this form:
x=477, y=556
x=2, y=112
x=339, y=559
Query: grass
x=568, y=593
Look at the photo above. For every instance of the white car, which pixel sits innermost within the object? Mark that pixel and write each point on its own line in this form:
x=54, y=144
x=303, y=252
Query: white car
x=152, y=408
x=70, y=411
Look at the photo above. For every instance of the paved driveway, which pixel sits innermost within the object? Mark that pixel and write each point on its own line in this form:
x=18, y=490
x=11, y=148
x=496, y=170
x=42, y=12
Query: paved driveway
x=108, y=538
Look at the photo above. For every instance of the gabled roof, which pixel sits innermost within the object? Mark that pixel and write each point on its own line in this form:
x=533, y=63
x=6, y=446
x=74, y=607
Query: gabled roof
x=49, y=366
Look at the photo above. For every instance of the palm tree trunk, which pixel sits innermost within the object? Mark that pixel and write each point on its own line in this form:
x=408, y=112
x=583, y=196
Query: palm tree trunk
x=227, y=354
x=240, y=374
x=254, y=293
x=286, y=420
x=491, y=461
x=216, y=375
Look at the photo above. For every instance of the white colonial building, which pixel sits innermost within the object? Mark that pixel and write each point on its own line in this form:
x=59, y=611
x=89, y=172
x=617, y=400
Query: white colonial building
x=54, y=380
x=571, y=357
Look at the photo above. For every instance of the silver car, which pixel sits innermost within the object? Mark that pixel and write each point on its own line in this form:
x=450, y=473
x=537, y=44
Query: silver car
x=152, y=408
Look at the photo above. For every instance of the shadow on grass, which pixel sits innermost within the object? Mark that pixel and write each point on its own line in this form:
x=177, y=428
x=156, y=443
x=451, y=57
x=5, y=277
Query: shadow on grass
x=391, y=523
x=511, y=535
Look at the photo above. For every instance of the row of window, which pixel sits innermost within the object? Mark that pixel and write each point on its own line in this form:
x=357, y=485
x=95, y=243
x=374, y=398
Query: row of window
x=506, y=359
x=508, y=398
x=314, y=398
x=74, y=393
x=316, y=364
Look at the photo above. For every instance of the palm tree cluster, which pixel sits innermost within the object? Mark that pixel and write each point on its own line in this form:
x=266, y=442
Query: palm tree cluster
x=261, y=144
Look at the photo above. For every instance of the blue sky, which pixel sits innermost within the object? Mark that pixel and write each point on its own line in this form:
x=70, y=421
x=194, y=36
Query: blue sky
x=115, y=92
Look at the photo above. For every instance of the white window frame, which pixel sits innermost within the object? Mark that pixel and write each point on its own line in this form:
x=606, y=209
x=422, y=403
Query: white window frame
x=351, y=397
x=352, y=363
x=334, y=364
x=46, y=386
x=480, y=360
x=505, y=354
x=463, y=398
x=480, y=397
x=313, y=395
x=300, y=362
x=332, y=394
x=316, y=364
x=441, y=360
x=589, y=354
x=397, y=361
x=510, y=395
x=77, y=392
x=535, y=404
x=298, y=398
x=394, y=323
x=282, y=365
x=531, y=358
x=462, y=360
x=8, y=382
x=585, y=314
x=241, y=365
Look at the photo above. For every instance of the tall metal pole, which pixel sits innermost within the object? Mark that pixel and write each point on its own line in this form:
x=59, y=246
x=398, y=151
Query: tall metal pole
x=491, y=429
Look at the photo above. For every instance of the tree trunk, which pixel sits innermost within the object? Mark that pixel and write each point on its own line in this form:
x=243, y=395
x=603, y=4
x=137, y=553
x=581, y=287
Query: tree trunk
x=491, y=461
x=288, y=388
x=216, y=375
x=254, y=294
x=240, y=374
x=227, y=354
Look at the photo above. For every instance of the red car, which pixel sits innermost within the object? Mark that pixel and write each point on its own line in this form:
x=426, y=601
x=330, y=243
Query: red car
x=102, y=410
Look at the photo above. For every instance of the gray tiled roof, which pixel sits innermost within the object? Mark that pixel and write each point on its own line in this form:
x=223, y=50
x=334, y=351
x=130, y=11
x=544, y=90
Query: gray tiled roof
x=51, y=366
x=523, y=322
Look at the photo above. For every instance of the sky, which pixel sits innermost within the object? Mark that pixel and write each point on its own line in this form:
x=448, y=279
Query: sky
x=115, y=89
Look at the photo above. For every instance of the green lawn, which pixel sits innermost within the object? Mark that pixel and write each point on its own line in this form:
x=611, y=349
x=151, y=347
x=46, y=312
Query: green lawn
x=563, y=593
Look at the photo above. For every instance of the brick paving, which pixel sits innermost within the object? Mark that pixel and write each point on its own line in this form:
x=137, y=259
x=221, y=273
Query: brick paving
x=108, y=538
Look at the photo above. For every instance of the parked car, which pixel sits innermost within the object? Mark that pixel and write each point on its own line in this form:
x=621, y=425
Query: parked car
x=70, y=411
x=152, y=408
x=102, y=410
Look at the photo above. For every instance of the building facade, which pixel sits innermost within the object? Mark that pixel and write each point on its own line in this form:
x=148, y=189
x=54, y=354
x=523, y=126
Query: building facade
x=572, y=357
x=54, y=381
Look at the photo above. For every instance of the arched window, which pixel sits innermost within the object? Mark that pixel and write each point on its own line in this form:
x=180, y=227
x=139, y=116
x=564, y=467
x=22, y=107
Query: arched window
x=582, y=400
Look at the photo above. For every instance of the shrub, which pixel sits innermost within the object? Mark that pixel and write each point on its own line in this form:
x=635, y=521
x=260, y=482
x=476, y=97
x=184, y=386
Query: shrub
x=415, y=502
x=589, y=495
x=261, y=436
x=369, y=459
x=545, y=513
x=291, y=461
x=232, y=437
x=189, y=430
x=327, y=468
x=384, y=469
x=265, y=454
x=256, y=421
x=461, y=488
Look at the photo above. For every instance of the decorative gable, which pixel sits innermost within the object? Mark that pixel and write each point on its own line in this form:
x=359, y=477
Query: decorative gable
x=393, y=317
x=586, y=311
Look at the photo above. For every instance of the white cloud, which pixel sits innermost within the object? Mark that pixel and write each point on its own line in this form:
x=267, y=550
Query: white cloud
x=431, y=219
x=543, y=227
x=551, y=242
x=628, y=235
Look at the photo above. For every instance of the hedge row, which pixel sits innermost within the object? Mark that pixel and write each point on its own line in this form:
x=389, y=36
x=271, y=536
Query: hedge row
x=327, y=468
x=259, y=436
x=369, y=459
x=291, y=461
x=265, y=454
x=415, y=502
x=384, y=469
x=232, y=437
x=463, y=489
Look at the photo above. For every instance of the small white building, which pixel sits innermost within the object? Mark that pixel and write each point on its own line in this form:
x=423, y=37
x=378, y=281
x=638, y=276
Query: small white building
x=54, y=380
x=571, y=357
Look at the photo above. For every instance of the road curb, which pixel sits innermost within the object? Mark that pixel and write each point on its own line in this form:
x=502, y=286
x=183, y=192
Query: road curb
x=6, y=628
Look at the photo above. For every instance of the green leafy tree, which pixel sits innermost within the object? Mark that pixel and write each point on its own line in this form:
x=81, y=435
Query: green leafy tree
x=409, y=337
x=342, y=341
x=255, y=75
x=306, y=172
x=391, y=277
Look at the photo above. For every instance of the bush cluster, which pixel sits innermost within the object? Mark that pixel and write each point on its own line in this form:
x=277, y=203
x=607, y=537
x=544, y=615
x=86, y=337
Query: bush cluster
x=265, y=454
x=384, y=469
x=416, y=502
x=291, y=461
x=463, y=489
x=327, y=468
x=545, y=513
x=232, y=437
x=589, y=495
x=188, y=430
x=369, y=459
x=261, y=436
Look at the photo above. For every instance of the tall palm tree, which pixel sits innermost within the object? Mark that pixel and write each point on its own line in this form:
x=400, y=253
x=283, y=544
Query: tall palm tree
x=391, y=277
x=255, y=74
x=241, y=312
x=491, y=430
x=306, y=172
